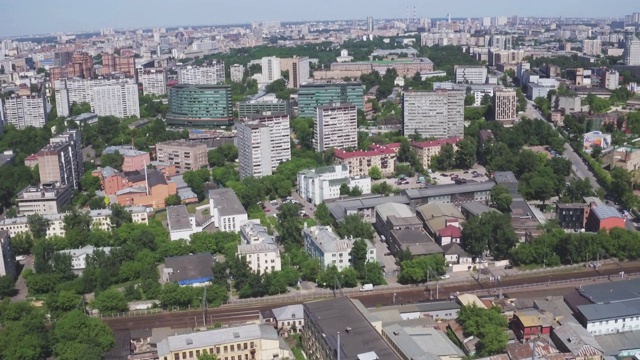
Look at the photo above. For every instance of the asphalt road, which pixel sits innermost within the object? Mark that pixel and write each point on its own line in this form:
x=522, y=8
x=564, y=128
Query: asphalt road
x=243, y=313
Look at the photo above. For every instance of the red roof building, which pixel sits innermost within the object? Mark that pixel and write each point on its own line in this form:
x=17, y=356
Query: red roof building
x=360, y=162
x=426, y=150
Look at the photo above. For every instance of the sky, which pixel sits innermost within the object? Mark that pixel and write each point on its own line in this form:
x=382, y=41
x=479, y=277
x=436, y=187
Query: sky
x=52, y=16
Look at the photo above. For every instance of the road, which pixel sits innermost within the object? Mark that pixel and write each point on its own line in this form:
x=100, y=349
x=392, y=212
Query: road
x=21, y=284
x=242, y=313
x=578, y=167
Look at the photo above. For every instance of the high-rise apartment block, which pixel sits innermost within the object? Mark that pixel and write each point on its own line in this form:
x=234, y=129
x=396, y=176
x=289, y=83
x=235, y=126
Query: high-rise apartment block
x=506, y=103
x=74, y=138
x=119, y=100
x=237, y=72
x=48, y=199
x=7, y=259
x=200, y=105
x=210, y=74
x=336, y=126
x=264, y=104
x=592, y=47
x=631, y=49
x=611, y=80
x=24, y=111
x=71, y=65
x=56, y=163
x=312, y=96
x=470, y=74
x=112, y=63
x=261, y=150
x=184, y=155
x=254, y=149
x=369, y=24
x=298, y=68
x=154, y=82
x=270, y=69
x=433, y=114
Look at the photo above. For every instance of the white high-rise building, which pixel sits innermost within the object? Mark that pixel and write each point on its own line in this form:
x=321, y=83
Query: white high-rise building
x=369, y=24
x=82, y=91
x=470, y=74
x=277, y=151
x=433, y=114
x=270, y=69
x=254, y=149
x=592, y=47
x=212, y=73
x=298, y=68
x=237, y=72
x=154, y=82
x=631, y=49
x=486, y=21
x=611, y=80
x=119, y=100
x=335, y=126
x=63, y=106
x=24, y=111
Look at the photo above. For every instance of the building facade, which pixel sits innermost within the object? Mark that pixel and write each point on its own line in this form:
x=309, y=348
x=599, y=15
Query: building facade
x=270, y=69
x=321, y=243
x=24, y=111
x=56, y=164
x=237, y=72
x=226, y=210
x=312, y=96
x=298, y=68
x=273, y=105
x=154, y=82
x=210, y=74
x=361, y=162
x=426, y=150
x=324, y=183
x=47, y=199
x=592, y=47
x=336, y=126
x=470, y=74
x=200, y=105
x=7, y=260
x=631, y=50
x=259, y=249
x=433, y=114
x=119, y=100
x=506, y=104
x=611, y=80
x=184, y=155
x=254, y=149
x=74, y=138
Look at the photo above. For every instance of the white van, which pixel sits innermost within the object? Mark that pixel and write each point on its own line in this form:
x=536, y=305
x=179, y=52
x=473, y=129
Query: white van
x=20, y=258
x=367, y=287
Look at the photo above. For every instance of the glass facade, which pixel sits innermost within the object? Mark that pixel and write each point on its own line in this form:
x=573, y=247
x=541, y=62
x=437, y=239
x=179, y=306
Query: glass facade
x=200, y=105
x=312, y=96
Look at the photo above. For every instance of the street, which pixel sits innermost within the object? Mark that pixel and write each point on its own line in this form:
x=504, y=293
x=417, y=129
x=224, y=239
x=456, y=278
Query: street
x=21, y=284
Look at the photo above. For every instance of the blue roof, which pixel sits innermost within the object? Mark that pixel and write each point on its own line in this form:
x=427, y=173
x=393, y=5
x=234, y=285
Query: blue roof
x=606, y=212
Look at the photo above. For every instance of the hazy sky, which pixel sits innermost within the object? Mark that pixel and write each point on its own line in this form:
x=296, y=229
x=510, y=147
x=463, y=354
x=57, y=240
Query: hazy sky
x=48, y=16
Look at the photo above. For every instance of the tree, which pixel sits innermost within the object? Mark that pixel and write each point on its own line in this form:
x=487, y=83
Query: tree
x=90, y=183
x=344, y=189
x=323, y=215
x=537, y=187
x=490, y=232
x=173, y=200
x=38, y=226
x=501, y=198
x=359, y=254
x=382, y=188
x=375, y=173
x=596, y=151
x=355, y=191
x=206, y=356
x=119, y=216
x=78, y=336
x=114, y=160
x=97, y=202
x=6, y=287
x=111, y=301
x=404, y=153
x=290, y=224
x=469, y=100
x=445, y=160
x=465, y=156
x=61, y=302
x=354, y=226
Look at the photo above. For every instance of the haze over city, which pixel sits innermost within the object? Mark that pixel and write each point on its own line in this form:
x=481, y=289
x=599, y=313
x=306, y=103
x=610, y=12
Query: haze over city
x=45, y=16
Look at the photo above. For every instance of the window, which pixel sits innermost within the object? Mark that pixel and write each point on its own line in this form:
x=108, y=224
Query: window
x=184, y=354
x=175, y=356
x=233, y=348
x=226, y=349
x=198, y=353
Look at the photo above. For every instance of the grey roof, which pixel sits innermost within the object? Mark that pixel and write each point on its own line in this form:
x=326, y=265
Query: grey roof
x=594, y=312
x=502, y=177
x=612, y=291
x=329, y=241
x=394, y=209
x=87, y=250
x=606, y=212
x=578, y=340
x=108, y=171
x=153, y=177
x=336, y=315
x=178, y=218
x=117, y=148
x=477, y=208
x=441, y=190
x=210, y=338
x=289, y=312
x=421, y=307
x=454, y=249
x=614, y=344
x=190, y=267
x=416, y=342
x=227, y=202
x=340, y=208
x=416, y=241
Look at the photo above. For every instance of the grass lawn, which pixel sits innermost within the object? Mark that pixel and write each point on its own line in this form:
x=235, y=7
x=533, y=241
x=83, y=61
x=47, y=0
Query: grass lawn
x=310, y=222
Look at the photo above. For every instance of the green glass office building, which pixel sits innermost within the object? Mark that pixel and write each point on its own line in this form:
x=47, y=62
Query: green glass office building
x=312, y=96
x=200, y=106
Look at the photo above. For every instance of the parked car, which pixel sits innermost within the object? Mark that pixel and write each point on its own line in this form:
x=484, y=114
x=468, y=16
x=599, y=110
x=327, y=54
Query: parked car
x=387, y=254
x=20, y=258
x=508, y=267
x=445, y=276
x=443, y=175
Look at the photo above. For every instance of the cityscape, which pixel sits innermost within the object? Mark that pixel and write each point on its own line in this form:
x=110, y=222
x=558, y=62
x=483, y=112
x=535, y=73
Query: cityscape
x=384, y=186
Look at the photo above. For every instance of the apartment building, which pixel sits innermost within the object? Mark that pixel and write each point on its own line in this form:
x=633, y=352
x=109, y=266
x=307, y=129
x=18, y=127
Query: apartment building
x=592, y=47
x=23, y=111
x=321, y=243
x=57, y=163
x=47, y=199
x=405, y=67
x=298, y=68
x=200, y=105
x=100, y=219
x=240, y=342
x=313, y=95
x=7, y=260
x=181, y=224
x=336, y=126
x=237, y=72
x=254, y=149
x=506, y=104
x=631, y=49
x=74, y=138
x=259, y=248
x=63, y=105
x=360, y=162
x=227, y=211
x=113, y=63
x=183, y=154
x=270, y=69
x=426, y=150
x=264, y=104
x=134, y=159
x=433, y=114
x=119, y=100
x=209, y=74
x=323, y=183
x=466, y=74
x=154, y=82
x=79, y=256
x=611, y=80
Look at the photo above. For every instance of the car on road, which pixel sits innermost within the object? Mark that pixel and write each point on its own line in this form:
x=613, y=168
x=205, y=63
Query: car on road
x=508, y=267
x=21, y=258
x=465, y=172
x=387, y=254
x=445, y=276
x=267, y=210
x=444, y=175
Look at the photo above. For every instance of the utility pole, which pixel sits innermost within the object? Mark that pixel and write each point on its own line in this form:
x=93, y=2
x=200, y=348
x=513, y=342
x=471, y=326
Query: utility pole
x=204, y=310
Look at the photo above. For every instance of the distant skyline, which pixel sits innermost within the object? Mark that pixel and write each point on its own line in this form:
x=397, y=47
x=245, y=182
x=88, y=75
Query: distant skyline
x=54, y=16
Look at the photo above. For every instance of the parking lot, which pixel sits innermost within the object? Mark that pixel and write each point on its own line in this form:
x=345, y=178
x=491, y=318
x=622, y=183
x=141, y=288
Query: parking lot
x=412, y=182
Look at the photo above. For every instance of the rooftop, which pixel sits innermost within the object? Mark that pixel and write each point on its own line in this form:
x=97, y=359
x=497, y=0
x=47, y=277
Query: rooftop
x=87, y=250
x=187, y=268
x=595, y=312
x=606, y=212
x=502, y=177
x=612, y=344
x=421, y=343
x=442, y=190
x=357, y=336
x=394, y=209
x=227, y=202
x=340, y=208
x=178, y=218
x=612, y=292
x=327, y=240
x=416, y=241
x=435, y=143
x=578, y=340
x=476, y=208
x=378, y=151
x=289, y=312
